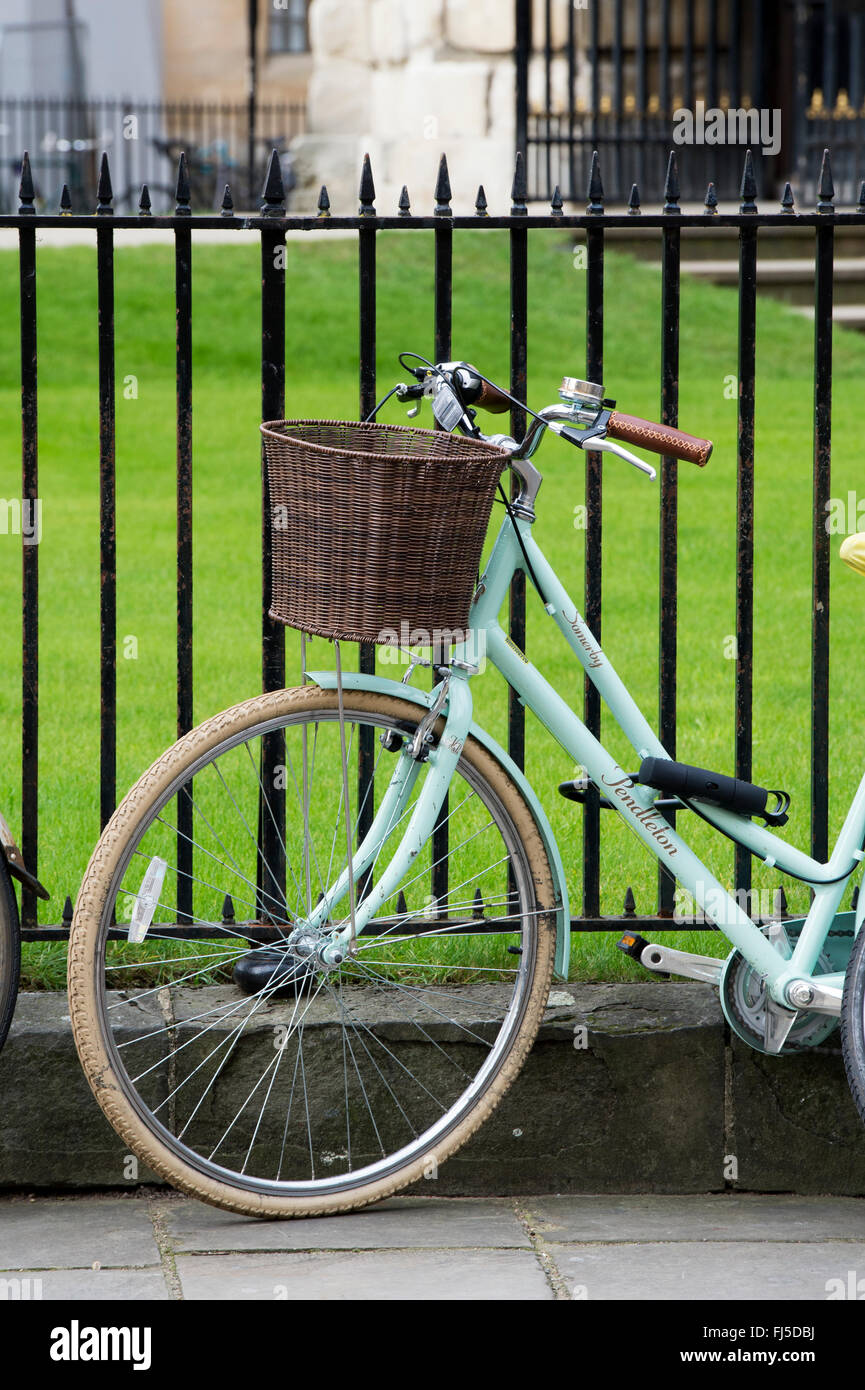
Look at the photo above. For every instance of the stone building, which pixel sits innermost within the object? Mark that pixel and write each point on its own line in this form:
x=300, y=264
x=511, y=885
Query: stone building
x=481, y=78
x=406, y=80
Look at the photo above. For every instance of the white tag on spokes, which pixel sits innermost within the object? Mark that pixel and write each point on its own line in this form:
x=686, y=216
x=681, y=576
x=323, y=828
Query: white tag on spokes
x=147, y=899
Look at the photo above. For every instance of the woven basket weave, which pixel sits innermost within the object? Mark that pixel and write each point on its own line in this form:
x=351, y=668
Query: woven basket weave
x=376, y=528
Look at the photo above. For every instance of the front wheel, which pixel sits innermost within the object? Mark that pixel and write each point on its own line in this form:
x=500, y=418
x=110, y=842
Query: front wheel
x=330, y=1086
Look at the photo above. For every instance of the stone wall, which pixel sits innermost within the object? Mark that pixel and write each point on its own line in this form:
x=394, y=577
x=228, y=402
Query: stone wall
x=407, y=81
x=658, y=1100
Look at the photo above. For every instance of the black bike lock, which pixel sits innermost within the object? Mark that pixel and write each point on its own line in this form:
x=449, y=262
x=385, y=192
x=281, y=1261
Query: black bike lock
x=686, y=782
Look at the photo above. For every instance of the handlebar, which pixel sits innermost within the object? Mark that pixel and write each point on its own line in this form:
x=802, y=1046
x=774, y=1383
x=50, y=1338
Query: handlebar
x=492, y=399
x=659, y=439
x=457, y=386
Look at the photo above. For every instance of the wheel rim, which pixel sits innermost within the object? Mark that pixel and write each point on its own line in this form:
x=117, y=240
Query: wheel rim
x=344, y=1071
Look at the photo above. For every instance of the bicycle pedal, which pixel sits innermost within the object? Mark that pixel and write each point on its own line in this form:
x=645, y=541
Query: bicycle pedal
x=275, y=971
x=632, y=944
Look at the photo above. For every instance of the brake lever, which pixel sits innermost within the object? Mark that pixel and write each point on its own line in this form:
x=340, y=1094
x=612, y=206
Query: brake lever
x=606, y=446
x=415, y=393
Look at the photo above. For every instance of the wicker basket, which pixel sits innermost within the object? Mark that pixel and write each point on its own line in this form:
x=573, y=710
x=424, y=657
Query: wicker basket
x=377, y=529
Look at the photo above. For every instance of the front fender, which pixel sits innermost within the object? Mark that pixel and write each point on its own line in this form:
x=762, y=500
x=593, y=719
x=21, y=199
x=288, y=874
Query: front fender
x=379, y=685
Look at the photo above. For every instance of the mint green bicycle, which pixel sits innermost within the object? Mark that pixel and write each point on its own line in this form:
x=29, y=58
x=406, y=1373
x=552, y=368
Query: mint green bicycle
x=343, y=1029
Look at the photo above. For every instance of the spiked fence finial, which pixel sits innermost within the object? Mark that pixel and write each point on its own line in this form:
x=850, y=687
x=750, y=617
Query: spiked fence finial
x=323, y=202
x=519, y=188
x=144, y=203
x=26, y=191
x=711, y=201
x=556, y=203
x=227, y=208
x=825, y=188
x=748, y=189
x=443, y=193
x=860, y=206
x=182, y=192
x=787, y=205
x=103, y=189
x=596, y=188
x=273, y=192
x=481, y=202
x=634, y=201
x=630, y=905
x=65, y=201
x=672, y=190
x=404, y=204
x=366, y=192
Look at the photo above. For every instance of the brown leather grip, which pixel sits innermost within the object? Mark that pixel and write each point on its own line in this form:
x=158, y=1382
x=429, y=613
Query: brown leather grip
x=492, y=400
x=659, y=439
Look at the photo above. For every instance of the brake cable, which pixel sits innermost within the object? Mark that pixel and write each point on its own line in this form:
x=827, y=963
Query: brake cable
x=368, y=419
x=508, y=508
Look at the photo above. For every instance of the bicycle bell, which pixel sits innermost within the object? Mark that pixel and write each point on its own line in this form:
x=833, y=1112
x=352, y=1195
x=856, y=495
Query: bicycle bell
x=582, y=393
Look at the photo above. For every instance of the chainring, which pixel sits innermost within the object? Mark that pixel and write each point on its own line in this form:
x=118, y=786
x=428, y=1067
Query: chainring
x=743, y=996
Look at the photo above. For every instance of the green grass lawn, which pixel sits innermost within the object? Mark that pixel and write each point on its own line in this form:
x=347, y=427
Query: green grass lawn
x=322, y=381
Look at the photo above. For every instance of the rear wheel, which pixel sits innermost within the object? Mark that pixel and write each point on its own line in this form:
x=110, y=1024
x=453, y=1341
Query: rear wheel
x=853, y=1022
x=361, y=1077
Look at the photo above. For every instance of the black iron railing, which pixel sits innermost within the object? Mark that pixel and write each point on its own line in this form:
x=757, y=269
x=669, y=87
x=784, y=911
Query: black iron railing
x=613, y=78
x=66, y=137
x=815, y=228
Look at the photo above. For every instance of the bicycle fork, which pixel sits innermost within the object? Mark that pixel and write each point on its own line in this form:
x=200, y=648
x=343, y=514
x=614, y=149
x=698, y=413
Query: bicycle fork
x=452, y=698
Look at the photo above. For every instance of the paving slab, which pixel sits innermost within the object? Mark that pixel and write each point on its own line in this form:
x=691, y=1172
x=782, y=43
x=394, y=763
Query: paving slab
x=400, y=1223
x=102, y=1285
x=428, y=1275
x=719, y=1272
x=75, y=1233
x=737, y=1217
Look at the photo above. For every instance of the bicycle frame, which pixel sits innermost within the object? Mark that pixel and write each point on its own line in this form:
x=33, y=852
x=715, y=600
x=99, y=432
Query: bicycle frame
x=634, y=803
